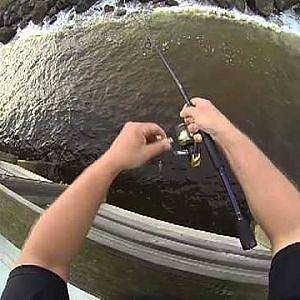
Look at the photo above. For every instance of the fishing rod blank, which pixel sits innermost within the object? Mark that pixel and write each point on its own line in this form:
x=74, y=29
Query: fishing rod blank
x=245, y=233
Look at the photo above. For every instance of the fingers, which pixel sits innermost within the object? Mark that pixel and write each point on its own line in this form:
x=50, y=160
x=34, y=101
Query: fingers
x=152, y=131
x=193, y=128
x=154, y=149
x=198, y=100
x=197, y=137
x=156, y=140
x=189, y=120
x=187, y=112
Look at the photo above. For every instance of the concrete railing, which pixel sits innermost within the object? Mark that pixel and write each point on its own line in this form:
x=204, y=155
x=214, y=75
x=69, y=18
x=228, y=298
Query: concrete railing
x=172, y=245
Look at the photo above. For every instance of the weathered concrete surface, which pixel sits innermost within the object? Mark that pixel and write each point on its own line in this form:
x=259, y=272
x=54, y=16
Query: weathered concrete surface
x=171, y=245
x=262, y=238
x=7, y=157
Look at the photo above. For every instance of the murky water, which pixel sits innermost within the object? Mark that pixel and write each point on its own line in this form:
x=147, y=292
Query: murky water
x=64, y=96
x=112, y=275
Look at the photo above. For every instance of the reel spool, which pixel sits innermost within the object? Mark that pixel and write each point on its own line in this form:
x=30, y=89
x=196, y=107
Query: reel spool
x=188, y=145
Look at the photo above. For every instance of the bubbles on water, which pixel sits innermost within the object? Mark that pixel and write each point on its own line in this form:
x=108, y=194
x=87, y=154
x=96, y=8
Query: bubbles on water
x=200, y=39
x=165, y=46
x=252, y=61
x=206, y=46
x=231, y=54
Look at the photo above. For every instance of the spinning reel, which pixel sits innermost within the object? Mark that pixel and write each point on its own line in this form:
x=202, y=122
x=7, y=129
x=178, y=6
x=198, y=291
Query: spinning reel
x=189, y=147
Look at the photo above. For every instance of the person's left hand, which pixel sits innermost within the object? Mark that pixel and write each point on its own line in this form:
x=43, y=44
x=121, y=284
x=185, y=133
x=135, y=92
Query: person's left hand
x=136, y=144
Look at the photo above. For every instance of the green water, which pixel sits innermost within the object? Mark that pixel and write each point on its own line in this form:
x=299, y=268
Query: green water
x=112, y=275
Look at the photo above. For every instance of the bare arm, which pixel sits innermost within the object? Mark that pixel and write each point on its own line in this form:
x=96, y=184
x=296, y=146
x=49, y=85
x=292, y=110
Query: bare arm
x=57, y=236
x=274, y=201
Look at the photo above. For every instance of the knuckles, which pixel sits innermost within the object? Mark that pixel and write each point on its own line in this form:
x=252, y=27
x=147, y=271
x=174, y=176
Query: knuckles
x=130, y=125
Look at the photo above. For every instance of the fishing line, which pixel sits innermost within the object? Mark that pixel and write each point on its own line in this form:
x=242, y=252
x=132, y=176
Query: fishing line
x=244, y=231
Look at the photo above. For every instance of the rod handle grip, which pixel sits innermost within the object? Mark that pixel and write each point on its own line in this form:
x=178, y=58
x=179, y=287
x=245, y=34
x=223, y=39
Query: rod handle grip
x=246, y=235
x=212, y=150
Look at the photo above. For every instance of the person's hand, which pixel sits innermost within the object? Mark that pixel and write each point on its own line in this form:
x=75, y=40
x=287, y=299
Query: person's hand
x=206, y=117
x=136, y=144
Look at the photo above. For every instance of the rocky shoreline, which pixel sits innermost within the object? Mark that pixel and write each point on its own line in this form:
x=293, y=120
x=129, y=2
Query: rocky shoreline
x=18, y=13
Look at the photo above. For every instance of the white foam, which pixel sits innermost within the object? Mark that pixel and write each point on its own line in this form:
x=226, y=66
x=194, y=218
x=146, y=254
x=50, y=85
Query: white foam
x=287, y=21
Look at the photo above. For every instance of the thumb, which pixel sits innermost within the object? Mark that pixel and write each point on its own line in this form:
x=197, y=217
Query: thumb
x=154, y=149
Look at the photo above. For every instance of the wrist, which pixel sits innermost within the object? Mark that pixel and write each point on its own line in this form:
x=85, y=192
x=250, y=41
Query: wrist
x=109, y=163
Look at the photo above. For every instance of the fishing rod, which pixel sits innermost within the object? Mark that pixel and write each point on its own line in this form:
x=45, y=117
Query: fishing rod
x=244, y=231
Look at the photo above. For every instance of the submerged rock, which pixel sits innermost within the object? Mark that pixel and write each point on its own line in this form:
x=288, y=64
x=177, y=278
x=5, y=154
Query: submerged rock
x=12, y=17
x=264, y=7
x=229, y=4
x=83, y=5
x=1, y=18
x=63, y=4
x=285, y=4
x=6, y=34
x=240, y=5
x=171, y=3
x=53, y=11
x=108, y=8
x=52, y=19
x=25, y=8
x=23, y=24
x=121, y=3
x=39, y=12
x=120, y=12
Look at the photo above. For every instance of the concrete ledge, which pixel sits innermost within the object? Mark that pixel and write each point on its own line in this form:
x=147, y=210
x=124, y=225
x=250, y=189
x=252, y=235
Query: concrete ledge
x=181, y=248
x=11, y=158
x=44, y=168
x=262, y=238
x=14, y=170
x=172, y=245
x=8, y=255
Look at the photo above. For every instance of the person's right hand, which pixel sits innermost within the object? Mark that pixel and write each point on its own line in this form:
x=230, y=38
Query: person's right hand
x=136, y=144
x=206, y=117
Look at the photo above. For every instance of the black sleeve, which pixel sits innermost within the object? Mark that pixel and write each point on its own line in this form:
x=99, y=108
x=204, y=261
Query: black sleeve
x=284, y=278
x=34, y=283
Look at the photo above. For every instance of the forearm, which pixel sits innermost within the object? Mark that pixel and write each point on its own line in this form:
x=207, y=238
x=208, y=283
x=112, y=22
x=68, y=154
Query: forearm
x=57, y=236
x=273, y=200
